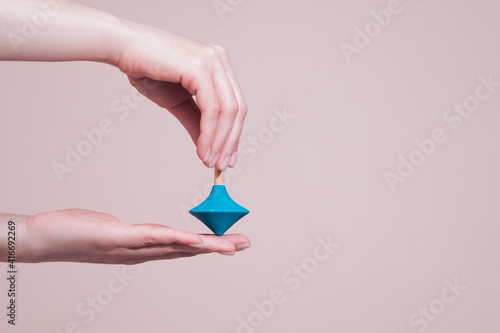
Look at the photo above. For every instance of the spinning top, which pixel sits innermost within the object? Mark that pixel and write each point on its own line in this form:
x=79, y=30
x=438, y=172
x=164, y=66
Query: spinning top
x=219, y=212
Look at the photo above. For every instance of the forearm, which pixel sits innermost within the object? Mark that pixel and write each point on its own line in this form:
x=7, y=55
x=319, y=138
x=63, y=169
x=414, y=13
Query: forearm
x=67, y=31
x=13, y=229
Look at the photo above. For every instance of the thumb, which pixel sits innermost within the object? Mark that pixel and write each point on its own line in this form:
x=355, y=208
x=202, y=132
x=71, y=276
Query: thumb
x=173, y=97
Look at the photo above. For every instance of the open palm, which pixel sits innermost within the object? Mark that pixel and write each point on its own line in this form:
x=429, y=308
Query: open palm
x=77, y=235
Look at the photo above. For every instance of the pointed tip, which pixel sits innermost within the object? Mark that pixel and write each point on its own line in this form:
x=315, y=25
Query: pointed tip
x=217, y=229
x=219, y=232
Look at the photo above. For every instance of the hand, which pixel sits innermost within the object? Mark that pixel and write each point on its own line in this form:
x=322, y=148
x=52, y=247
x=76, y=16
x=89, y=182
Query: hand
x=77, y=235
x=169, y=69
x=180, y=67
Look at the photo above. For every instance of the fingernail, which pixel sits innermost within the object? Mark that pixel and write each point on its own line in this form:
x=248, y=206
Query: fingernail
x=224, y=164
x=234, y=157
x=212, y=164
x=207, y=155
x=243, y=246
x=227, y=253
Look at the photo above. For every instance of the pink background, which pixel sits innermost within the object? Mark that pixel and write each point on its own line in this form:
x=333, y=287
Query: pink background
x=321, y=175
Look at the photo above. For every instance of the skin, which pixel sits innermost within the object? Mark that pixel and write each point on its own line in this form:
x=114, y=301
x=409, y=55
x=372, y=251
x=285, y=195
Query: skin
x=76, y=235
x=166, y=68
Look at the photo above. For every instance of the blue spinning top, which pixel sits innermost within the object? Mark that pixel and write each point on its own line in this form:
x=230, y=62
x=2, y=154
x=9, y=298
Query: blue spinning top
x=219, y=212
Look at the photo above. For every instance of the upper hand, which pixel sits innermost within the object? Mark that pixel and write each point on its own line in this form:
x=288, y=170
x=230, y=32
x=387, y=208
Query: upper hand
x=170, y=69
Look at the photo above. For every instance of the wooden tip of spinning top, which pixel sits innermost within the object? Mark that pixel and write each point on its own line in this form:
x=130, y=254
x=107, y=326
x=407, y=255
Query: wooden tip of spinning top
x=218, y=177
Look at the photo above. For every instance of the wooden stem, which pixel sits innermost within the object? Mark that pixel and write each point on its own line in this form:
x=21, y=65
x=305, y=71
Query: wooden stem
x=218, y=177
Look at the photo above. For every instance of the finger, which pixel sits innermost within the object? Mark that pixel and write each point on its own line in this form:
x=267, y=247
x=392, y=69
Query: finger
x=163, y=257
x=228, y=110
x=175, y=98
x=226, y=244
x=240, y=241
x=156, y=258
x=150, y=253
x=206, y=99
x=234, y=159
x=165, y=94
x=218, y=244
x=231, y=146
x=189, y=116
x=158, y=250
x=141, y=235
x=233, y=140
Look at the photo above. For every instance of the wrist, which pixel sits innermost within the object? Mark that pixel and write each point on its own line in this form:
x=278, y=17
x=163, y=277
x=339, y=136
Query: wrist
x=116, y=35
x=125, y=36
x=102, y=35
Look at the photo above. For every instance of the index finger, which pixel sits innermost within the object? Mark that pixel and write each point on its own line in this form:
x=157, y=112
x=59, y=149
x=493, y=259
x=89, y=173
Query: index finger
x=140, y=235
